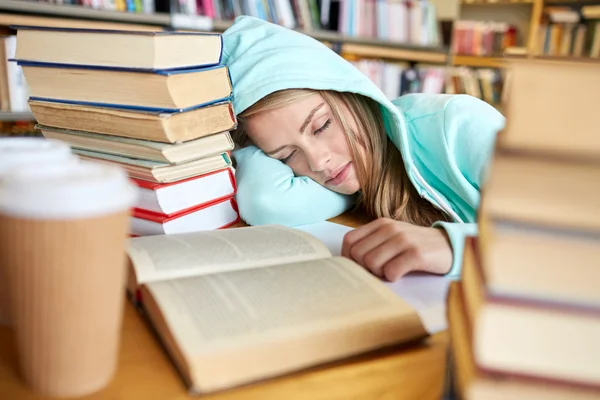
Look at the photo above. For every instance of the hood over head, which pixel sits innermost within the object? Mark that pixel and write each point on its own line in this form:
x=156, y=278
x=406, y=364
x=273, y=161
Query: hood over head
x=264, y=58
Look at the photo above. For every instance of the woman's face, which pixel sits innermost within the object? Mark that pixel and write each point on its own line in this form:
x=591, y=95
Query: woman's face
x=305, y=136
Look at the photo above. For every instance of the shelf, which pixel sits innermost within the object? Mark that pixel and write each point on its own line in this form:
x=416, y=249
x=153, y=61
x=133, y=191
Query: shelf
x=496, y=2
x=8, y=116
x=369, y=47
x=32, y=20
x=567, y=59
x=77, y=11
x=394, y=53
x=478, y=61
x=573, y=2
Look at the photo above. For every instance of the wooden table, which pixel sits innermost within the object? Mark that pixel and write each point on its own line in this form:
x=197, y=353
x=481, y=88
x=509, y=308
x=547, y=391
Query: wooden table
x=144, y=372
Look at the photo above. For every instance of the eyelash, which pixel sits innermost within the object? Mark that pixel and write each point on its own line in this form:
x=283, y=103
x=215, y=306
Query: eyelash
x=317, y=132
x=288, y=158
x=323, y=128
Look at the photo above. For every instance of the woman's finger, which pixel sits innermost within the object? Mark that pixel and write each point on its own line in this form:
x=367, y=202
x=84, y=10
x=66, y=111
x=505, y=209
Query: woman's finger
x=352, y=237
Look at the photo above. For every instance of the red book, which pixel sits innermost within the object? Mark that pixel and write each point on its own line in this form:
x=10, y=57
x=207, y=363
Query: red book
x=191, y=193
x=209, y=216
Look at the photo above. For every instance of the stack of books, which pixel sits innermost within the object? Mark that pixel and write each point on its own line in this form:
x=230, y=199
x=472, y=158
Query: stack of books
x=158, y=104
x=525, y=318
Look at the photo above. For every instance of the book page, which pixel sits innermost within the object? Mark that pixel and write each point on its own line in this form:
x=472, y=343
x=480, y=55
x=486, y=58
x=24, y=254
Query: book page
x=205, y=313
x=426, y=293
x=176, y=256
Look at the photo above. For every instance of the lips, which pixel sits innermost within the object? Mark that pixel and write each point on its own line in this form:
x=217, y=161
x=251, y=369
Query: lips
x=339, y=175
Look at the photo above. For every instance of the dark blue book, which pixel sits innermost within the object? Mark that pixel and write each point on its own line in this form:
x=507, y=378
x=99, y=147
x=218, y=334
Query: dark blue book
x=139, y=50
x=177, y=90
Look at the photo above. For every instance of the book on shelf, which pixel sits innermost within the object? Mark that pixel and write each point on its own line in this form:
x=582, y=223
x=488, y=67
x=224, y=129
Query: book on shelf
x=211, y=215
x=398, y=79
x=410, y=22
x=160, y=172
x=591, y=11
x=176, y=197
x=568, y=32
x=14, y=90
x=124, y=6
x=472, y=382
x=4, y=73
x=160, y=90
x=483, y=38
x=176, y=153
x=158, y=126
x=241, y=305
x=159, y=50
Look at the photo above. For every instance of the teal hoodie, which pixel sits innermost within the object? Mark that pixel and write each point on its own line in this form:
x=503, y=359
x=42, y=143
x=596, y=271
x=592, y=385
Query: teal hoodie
x=446, y=140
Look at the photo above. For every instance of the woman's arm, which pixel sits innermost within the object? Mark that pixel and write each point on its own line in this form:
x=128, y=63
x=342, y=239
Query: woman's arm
x=457, y=233
x=269, y=193
x=470, y=129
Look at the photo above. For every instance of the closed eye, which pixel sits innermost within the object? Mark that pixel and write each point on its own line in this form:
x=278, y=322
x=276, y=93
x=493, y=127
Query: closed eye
x=323, y=128
x=288, y=158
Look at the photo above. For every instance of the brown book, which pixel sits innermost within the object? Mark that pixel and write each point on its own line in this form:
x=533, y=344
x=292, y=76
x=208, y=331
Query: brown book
x=579, y=43
x=147, y=90
x=156, y=126
x=591, y=12
x=160, y=172
x=473, y=383
x=539, y=335
x=240, y=305
x=551, y=107
x=176, y=153
x=116, y=48
x=544, y=191
x=521, y=261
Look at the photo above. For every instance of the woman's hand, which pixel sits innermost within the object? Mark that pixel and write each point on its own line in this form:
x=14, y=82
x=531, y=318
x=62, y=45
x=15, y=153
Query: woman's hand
x=390, y=249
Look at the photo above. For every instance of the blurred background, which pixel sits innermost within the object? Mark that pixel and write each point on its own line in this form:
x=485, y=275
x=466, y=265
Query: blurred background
x=404, y=46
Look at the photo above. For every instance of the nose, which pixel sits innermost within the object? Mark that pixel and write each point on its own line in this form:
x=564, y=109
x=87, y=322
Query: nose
x=318, y=158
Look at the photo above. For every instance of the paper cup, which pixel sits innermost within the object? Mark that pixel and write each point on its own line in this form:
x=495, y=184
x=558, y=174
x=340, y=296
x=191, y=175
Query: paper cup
x=19, y=152
x=65, y=229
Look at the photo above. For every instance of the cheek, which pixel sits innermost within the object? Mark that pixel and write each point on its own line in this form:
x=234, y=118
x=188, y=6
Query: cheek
x=338, y=144
x=300, y=166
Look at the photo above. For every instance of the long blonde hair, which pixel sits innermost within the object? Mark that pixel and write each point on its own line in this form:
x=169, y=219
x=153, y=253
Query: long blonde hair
x=386, y=190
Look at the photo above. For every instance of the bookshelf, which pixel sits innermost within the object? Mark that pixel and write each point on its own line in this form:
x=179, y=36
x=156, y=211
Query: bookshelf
x=523, y=15
x=76, y=16
x=86, y=13
x=370, y=47
x=526, y=14
x=527, y=19
x=16, y=12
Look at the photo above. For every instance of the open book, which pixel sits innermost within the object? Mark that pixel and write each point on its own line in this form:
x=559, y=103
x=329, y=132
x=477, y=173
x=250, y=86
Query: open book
x=239, y=305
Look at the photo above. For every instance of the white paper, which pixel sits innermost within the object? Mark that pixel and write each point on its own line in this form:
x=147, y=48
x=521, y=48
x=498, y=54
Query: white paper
x=332, y=235
x=426, y=293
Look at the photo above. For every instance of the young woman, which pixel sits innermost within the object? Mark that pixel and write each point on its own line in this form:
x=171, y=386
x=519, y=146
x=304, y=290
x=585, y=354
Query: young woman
x=317, y=136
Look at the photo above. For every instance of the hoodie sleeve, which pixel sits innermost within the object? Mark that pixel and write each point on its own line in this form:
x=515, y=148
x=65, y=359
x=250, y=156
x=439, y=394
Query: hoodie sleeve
x=470, y=129
x=269, y=193
x=457, y=233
